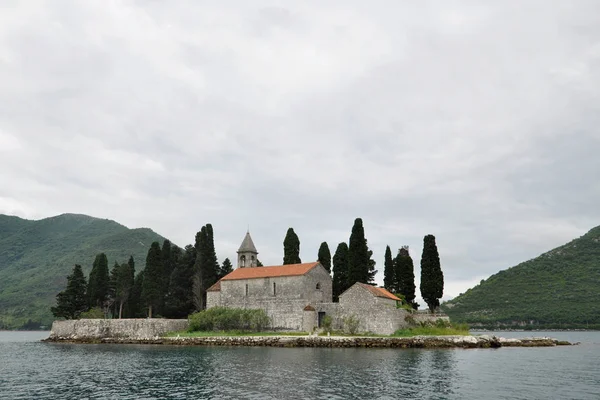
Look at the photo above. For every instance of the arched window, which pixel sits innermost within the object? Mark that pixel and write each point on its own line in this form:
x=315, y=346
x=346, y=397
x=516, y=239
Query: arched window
x=274, y=289
x=319, y=286
x=242, y=261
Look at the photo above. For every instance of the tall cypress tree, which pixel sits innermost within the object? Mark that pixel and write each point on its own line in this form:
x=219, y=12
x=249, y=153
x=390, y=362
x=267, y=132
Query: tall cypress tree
x=361, y=268
x=98, y=283
x=405, y=275
x=135, y=307
x=340, y=271
x=291, y=248
x=123, y=284
x=153, y=279
x=206, y=266
x=324, y=256
x=71, y=302
x=178, y=301
x=389, y=278
x=432, y=278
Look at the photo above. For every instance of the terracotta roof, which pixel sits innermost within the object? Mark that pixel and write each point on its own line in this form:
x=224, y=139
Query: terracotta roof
x=215, y=288
x=270, y=272
x=379, y=292
x=247, y=245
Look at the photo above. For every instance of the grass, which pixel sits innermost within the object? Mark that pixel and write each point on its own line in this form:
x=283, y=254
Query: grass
x=231, y=333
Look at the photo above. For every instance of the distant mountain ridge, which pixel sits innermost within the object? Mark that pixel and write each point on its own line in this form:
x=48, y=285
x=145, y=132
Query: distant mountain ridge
x=558, y=289
x=36, y=257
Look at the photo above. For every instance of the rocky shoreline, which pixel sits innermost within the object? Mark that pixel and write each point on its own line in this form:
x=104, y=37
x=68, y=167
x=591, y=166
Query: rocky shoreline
x=421, y=342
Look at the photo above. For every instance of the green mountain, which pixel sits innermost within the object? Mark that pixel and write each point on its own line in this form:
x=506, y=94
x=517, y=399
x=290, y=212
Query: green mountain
x=37, y=256
x=559, y=289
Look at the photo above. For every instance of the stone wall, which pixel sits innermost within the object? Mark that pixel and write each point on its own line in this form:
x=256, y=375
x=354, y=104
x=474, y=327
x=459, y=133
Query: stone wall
x=90, y=329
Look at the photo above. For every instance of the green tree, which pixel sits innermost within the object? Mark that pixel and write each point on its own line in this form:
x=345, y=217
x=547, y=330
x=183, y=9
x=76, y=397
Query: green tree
x=123, y=284
x=389, y=278
x=405, y=275
x=178, y=301
x=324, y=256
x=227, y=267
x=432, y=278
x=207, y=266
x=71, y=302
x=340, y=270
x=153, y=279
x=98, y=283
x=291, y=248
x=361, y=268
x=135, y=306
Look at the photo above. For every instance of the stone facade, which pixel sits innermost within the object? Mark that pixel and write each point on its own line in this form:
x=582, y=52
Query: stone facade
x=282, y=297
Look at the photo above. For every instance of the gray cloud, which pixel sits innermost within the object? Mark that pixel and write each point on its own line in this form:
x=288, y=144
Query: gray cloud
x=474, y=121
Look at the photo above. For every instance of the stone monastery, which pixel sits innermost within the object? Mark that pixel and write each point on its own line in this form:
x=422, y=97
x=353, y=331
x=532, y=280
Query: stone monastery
x=297, y=297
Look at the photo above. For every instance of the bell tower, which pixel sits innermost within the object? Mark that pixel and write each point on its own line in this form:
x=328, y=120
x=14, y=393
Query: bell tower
x=247, y=254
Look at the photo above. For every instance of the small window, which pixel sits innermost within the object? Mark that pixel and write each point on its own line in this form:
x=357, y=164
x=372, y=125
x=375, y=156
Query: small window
x=274, y=289
x=319, y=286
x=242, y=261
x=246, y=289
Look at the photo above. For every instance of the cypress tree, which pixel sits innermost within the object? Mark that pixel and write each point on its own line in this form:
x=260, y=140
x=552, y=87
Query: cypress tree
x=71, y=302
x=112, y=289
x=432, y=278
x=340, y=271
x=178, y=301
x=124, y=280
x=405, y=275
x=389, y=278
x=227, y=267
x=361, y=268
x=128, y=309
x=135, y=308
x=206, y=268
x=291, y=248
x=98, y=283
x=324, y=256
x=153, y=279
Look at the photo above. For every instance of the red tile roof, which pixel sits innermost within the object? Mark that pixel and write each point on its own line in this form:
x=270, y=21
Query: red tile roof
x=215, y=288
x=379, y=292
x=269, y=272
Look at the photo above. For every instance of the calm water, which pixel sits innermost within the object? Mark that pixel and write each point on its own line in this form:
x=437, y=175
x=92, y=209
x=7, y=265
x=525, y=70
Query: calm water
x=33, y=370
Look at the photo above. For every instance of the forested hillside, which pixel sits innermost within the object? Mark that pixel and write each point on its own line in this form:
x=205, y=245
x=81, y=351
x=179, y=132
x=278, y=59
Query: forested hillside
x=36, y=257
x=559, y=289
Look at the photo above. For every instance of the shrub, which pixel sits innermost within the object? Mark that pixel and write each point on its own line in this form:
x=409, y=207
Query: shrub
x=351, y=324
x=225, y=319
x=326, y=323
x=94, y=313
x=441, y=323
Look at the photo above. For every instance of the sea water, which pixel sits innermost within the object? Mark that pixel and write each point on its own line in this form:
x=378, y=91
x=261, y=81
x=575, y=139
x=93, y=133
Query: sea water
x=30, y=369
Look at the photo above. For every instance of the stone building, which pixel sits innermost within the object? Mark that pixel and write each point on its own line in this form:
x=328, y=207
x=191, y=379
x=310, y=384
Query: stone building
x=298, y=296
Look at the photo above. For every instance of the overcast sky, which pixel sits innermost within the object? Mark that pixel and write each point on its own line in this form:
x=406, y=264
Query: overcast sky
x=475, y=121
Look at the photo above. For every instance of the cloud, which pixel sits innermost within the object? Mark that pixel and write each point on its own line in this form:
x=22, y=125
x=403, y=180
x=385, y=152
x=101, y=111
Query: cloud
x=476, y=122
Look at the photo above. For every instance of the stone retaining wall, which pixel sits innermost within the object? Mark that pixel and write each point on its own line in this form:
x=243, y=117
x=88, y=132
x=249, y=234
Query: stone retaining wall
x=466, y=342
x=94, y=329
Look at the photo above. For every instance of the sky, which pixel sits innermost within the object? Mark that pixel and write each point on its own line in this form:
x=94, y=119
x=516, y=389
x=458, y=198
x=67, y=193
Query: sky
x=475, y=121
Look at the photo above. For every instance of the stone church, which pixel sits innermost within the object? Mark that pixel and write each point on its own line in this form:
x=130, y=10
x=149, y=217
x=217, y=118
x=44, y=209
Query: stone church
x=297, y=297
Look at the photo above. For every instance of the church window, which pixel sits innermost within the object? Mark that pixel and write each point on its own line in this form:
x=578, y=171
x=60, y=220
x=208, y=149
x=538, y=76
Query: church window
x=242, y=261
x=319, y=286
x=274, y=289
x=246, y=289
